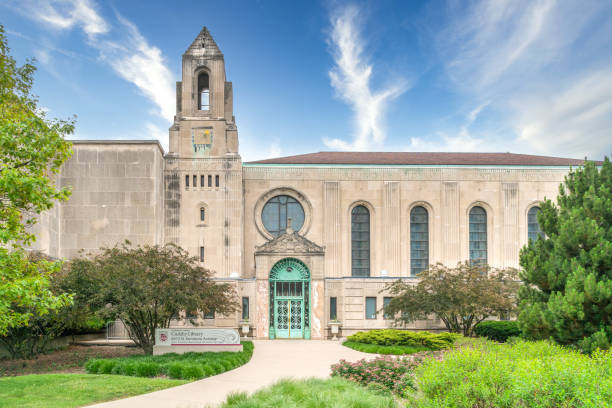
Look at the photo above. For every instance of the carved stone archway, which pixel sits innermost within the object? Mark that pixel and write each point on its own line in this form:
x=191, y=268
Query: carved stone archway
x=290, y=245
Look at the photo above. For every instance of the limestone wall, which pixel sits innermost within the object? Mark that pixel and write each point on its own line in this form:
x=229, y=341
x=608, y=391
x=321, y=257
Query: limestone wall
x=117, y=194
x=329, y=194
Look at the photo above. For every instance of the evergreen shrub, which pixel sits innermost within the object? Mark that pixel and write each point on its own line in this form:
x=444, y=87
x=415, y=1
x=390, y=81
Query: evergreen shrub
x=498, y=330
x=395, y=337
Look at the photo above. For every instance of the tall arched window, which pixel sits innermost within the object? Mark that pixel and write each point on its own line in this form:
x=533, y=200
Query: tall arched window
x=533, y=226
x=478, y=235
x=203, y=92
x=360, y=241
x=202, y=214
x=419, y=240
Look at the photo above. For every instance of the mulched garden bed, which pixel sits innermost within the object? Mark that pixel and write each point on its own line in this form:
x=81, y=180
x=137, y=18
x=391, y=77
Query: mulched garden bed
x=67, y=360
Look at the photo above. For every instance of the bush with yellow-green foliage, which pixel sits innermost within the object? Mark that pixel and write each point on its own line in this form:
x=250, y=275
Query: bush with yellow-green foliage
x=396, y=337
x=522, y=374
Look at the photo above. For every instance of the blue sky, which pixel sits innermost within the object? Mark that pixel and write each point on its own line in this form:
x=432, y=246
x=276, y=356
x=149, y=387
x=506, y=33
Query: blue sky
x=520, y=76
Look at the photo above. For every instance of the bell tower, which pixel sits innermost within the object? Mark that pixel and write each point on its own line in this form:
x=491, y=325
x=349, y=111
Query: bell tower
x=204, y=124
x=203, y=170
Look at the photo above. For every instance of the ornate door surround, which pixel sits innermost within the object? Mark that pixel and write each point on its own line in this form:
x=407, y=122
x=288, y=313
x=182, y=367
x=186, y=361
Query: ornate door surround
x=289, y=300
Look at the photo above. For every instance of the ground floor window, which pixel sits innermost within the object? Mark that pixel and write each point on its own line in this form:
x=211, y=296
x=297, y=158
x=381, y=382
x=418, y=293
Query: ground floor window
x=333, y=312
x=386, y=301
x=210, y=314
x=370, y=308
x=245, y=308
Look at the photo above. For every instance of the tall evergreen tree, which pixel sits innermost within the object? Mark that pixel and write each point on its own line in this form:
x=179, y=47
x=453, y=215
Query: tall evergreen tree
x=567, y=275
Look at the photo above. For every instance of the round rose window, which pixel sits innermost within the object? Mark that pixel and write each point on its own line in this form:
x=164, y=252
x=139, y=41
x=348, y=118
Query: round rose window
x=277, y=212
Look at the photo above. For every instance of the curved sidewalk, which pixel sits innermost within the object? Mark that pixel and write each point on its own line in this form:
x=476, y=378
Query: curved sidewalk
x=271, y=361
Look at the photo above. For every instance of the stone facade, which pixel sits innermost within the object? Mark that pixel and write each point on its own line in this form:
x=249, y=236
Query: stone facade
x=201, y=196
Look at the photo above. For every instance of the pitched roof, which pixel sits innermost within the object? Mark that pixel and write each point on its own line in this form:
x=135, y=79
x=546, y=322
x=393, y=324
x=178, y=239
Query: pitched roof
x=423, y=158
x=204, y=44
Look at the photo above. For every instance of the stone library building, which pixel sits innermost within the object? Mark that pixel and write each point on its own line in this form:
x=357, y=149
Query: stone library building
x=305, y=239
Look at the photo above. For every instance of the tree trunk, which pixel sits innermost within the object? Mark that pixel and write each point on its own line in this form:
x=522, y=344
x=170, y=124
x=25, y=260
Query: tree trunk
x=148, y=349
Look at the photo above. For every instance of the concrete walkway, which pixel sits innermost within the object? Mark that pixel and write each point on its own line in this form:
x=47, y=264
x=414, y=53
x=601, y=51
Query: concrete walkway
x=271, y=361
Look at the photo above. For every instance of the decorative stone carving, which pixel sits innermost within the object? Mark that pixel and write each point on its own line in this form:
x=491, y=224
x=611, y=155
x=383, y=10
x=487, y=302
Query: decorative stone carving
x=289, y=243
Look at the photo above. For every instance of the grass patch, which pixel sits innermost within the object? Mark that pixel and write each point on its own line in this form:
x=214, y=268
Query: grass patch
x=522, y=374
x=73, y=390
x=188, y=366
x=332, y=393
x=381, y=349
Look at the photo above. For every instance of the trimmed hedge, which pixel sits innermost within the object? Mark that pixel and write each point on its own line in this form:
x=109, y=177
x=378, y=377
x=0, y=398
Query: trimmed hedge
x=498, y=330
x=395, y=337
x=188, y=366
x=387, y=350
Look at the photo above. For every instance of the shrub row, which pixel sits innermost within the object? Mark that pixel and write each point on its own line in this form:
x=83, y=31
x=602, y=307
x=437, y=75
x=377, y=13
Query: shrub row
x=518, y=375
x=394, y=337
x=387, y=350
x=188, y=366
x=385, y=374
x=498, y=330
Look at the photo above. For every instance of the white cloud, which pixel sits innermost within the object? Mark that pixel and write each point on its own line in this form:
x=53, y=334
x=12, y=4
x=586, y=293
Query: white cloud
x=123, y=48
x=575, y=120
x=543, y=65
x=64, y=14
x=142, y=64
x=274, y=150
x=351, y=78
x=155, y=132
x=463, y=141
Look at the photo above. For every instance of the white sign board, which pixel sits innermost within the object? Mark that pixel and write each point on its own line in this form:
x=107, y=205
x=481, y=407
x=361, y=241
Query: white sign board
x=196, y=336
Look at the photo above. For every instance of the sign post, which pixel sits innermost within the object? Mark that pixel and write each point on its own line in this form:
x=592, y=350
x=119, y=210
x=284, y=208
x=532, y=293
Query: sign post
x=199, y=340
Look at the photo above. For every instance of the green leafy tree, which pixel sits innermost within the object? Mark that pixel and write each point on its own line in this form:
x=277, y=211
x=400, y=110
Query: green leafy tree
x=32, y=149
x=461, y=296
x=568, y=273
x=146, y=286
x=82, y=314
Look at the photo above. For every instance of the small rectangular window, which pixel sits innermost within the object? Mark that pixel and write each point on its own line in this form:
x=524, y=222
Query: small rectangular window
x=187, y=181
x=210, y=315
x=217, y=180
x=245, y=308
x=386, y=301
x=195, y=180
x=333, y=309
x=191, y=315
x=209, y=180
x=201, y=254
x=370, y=308
x=202, y=181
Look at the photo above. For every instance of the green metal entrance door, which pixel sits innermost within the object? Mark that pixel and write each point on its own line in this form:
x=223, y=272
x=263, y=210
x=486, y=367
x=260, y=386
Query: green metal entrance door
x=289, y=319
x=289, y=300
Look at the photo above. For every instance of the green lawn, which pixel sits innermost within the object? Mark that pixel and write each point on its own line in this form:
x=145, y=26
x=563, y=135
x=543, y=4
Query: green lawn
x=74, y=390
x=378, y=349
x=312, y=393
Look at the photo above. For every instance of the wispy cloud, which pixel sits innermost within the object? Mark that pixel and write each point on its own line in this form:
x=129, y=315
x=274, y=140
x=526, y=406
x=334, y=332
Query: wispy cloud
x=120, y=45
x=142, y=64
x=65, y=14
x=542, y=65
x=274, y=150
x=351, y=78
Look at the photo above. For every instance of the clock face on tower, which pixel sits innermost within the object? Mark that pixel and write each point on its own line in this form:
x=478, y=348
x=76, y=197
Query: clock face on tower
x=202, y=139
